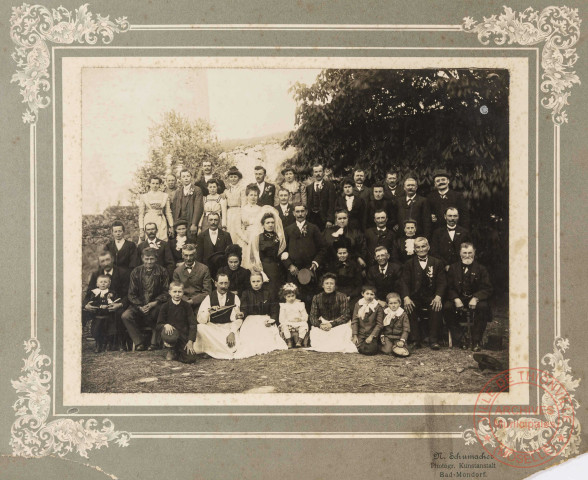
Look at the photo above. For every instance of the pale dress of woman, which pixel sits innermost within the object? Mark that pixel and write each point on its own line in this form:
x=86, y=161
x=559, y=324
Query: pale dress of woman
x=154, y=208
x=214, y=204
x=259, y=333
x=296, y=190
x=235, y=193
x=249, y=216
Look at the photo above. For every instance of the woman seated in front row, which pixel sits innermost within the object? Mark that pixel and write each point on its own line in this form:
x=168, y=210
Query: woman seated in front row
x=330, y=319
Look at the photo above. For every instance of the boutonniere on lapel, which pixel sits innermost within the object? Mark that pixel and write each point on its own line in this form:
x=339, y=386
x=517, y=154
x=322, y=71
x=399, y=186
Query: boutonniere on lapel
x=430, y=272
x=268, y=189
x=304, y=230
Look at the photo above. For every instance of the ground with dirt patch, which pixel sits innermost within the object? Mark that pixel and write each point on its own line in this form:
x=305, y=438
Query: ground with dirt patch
x=292, y=371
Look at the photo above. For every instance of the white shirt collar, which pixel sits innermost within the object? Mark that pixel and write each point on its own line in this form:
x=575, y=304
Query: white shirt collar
x=119, y=243
x=300, y=225
x=261, y=187
x=176, y=303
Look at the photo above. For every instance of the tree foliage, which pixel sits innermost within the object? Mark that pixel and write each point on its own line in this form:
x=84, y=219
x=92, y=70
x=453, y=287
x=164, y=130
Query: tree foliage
x=417, y=120
x=175, y=143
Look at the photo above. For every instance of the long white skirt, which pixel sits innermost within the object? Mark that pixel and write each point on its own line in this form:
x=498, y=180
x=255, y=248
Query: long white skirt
x=338, y=339
x=211, y=338
x=257, y=339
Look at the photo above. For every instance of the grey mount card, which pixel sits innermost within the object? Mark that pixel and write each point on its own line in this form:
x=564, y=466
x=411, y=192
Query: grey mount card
x=216, y=265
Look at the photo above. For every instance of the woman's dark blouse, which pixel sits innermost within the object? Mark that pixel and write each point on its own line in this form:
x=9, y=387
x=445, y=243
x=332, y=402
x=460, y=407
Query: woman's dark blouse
x=239, y=279
x=268, y=248
x=259, y=302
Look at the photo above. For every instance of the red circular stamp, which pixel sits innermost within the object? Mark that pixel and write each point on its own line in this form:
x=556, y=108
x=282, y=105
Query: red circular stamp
x=524, y=436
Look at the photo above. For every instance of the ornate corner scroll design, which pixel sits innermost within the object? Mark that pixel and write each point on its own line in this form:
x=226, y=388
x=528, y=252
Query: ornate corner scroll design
x=32, y=27
x=516, y=438
x=558, y=28
x=32, y=436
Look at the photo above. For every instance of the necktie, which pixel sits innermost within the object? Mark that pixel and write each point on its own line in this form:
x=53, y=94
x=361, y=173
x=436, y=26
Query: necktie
x=409, y=202
x=443, y=197
x=382, y=270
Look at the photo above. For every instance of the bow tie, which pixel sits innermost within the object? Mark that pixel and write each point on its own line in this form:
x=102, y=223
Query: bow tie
x=423, y=259
x=109, y=272
x=381, y=230
x=443, y=196
x=451, y=229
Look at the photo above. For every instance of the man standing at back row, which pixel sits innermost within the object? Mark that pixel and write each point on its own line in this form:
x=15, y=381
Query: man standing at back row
x=442, y=198
x=188, y=204
x=320, y=198
x=415, y=207
x=205, y=175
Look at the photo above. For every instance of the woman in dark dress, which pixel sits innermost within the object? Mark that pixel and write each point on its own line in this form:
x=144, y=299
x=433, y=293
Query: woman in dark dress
x=259, y=333
x=267, y=248
x=347, y=271
x=238, y=276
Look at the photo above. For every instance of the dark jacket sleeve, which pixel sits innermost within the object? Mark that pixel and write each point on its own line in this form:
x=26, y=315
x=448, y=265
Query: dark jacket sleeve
x=379, y=321
x=485, y=289
x=427, y=224
x=405, y=283
x=168, y=260
x=321, y=246
x=314, y=312
x=193, y=325
x=124, y=286
x=164, y=287
x=162, y=317
x=135, y=288
x=274, y=310
x=452, y=282
x=200, y=247
x=441, y=279
x=331, y=196
x=198, y=206
x=355, y=320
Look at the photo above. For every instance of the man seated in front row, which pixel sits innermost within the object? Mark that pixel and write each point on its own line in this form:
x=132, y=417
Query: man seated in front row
x=468, y=291
x=219, y=320
x=422, y=287
x=195, y=277
x=148, y=288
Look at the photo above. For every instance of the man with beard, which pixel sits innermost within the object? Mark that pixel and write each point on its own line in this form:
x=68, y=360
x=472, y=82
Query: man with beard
x=415, y=207
x=442, y=198
x=320, y=198
x=469, y=288
x=194, y=275
x=446, y=242
x=422, y=287
x=164, y=254
x=148, y=290
x=119, y=282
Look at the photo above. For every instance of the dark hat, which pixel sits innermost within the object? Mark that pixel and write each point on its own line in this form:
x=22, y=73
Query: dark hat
x=180, y=222
x=234, y=171
x=441, y=173
x=304, y=276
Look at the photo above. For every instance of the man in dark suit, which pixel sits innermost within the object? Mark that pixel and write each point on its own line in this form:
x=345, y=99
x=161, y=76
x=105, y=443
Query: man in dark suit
x=320, y=198
x=422, y=287
x=284, y=208
x=359, y=188
x=305, y=248
x=164, y=254
x=119, y=282
x=379, y=236
x=267, y=191
x=123, y=251
x=148, y=290
x=195, y=276
x=211, y=244
x=442, y=198
x=188, y=204
x=205, y=175
x=446, y=242
x=384, y=275
x=413, y=206
x=469, y=289
x=392, y=190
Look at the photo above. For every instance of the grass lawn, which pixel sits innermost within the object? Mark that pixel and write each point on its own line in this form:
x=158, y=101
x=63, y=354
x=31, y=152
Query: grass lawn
x=292, y=371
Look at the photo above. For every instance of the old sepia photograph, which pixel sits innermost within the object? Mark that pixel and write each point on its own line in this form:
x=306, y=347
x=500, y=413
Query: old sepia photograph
x=294, y=230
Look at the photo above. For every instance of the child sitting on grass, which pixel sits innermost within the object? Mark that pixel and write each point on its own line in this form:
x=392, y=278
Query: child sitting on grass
x=293, y=317
x=396, y=328
x=366, y=322
x=177, y=325
x=98, y=305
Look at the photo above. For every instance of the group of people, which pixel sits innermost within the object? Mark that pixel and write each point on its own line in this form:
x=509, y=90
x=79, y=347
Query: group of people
x=234, y=270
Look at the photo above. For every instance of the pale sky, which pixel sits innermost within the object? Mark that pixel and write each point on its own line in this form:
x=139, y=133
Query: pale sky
x=120, y=104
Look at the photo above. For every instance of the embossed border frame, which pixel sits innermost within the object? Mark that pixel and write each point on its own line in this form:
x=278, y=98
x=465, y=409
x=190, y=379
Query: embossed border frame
x=491, y=26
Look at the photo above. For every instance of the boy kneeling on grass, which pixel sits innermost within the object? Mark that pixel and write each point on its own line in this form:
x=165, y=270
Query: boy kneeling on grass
x=367, y=322
x=177, y=325
x=396, y=327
